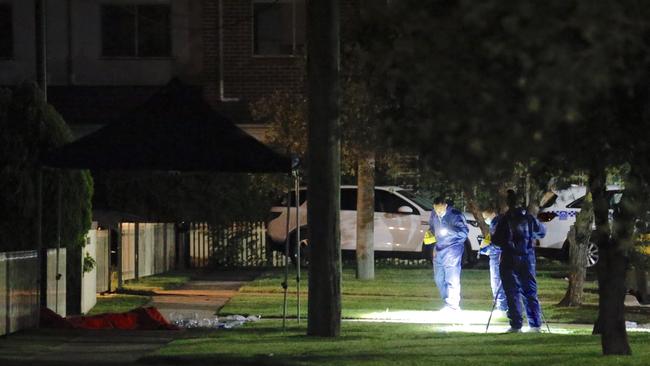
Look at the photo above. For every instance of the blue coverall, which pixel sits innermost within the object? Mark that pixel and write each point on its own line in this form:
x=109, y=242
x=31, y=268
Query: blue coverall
x=516, y=232
x=494, y=253
x=451, y=232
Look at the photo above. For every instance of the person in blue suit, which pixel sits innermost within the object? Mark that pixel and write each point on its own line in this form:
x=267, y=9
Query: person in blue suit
x=450, y=230
x=516, y=233
x=488, y=248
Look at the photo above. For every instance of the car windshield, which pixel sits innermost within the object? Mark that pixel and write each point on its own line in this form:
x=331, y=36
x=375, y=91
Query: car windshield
x=424, y=203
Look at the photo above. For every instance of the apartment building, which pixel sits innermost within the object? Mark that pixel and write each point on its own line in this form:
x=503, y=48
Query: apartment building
x=103, y=57
x=107, y=56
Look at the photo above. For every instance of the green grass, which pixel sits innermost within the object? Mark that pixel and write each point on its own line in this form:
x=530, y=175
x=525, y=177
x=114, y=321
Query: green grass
x=366, y=343
x=165, y=281
x=118, y=303
x=379, y=344
x=138, y=292
x=413, y=289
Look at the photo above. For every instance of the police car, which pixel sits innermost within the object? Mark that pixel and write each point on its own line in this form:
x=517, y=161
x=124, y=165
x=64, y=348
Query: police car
x=558, y=212
x=401, y=220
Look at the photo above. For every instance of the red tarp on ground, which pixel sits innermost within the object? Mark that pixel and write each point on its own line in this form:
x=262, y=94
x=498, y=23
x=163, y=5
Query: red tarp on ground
x=148, y=318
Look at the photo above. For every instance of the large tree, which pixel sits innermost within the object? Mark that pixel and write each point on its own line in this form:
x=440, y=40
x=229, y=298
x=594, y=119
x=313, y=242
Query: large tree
x=324, y=313
x=479, y=87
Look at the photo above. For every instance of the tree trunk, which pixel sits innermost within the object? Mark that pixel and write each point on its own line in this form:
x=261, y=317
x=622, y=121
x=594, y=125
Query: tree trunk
x=611, y=274
x=366, y=216
x=534, y=195
x=476, y=211
x=502, y=202
x=324, y=154
x=579, y=237
x=577, y=271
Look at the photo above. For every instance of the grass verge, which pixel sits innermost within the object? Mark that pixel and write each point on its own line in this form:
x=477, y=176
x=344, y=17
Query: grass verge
x=379, y=344
x=136, y=293
x=399, y=289
x=118, y=303
x=165, y=281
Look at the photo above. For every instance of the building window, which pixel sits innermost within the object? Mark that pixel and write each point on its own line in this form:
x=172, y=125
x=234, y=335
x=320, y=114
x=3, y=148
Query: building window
x=278, y=27
x=136, y=30
x=6, y=32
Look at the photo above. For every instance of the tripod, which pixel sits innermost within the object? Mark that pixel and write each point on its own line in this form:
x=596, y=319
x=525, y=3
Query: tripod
x=494, y=304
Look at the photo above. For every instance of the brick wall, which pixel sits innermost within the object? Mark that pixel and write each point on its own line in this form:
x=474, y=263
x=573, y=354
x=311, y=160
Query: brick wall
x=246, y=77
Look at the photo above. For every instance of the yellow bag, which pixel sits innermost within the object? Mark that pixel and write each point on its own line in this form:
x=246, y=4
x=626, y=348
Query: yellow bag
x=487, y=241
x=429, y=238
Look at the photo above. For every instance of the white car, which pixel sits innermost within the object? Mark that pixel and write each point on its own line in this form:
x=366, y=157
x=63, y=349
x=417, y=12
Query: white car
x=559, y=212
x=401, y=219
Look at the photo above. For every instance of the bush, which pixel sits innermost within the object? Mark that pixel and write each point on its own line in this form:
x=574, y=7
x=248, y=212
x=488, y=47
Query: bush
x=29, y=127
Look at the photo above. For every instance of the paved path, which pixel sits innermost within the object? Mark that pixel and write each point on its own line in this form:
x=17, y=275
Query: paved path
x=203, y=296
x=81, y=347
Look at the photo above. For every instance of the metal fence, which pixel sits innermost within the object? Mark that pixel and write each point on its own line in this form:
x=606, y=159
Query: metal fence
x=243, y=244
x=240, y=244
x=19, y=302
x=201, y=245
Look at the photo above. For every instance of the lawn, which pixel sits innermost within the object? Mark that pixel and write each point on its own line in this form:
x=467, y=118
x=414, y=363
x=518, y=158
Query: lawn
x=375, y=343
x=379, y=344
x=118, y=303
x=137, y=293
x=399, y=289
x=164, y=281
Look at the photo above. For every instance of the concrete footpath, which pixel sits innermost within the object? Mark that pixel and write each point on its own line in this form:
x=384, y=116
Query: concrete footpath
x=203, y=295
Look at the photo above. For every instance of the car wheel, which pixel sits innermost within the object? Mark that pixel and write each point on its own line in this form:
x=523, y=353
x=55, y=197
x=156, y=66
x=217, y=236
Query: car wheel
x=592, y=254
x=304, y=248
x=469, y=256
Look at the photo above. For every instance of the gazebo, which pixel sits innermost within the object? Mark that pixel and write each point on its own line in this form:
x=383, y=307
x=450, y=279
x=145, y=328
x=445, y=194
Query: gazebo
x=174, y=130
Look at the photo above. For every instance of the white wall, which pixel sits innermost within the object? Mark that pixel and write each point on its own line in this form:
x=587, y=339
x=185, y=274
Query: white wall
x=89, y=279
x=56, y=289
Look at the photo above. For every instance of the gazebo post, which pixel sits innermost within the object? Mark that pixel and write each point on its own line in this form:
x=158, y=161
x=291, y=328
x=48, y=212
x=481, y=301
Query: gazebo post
x=59, y=197
x=42, y=259
x=296, y=178
x=285, y=285
x=119, y=257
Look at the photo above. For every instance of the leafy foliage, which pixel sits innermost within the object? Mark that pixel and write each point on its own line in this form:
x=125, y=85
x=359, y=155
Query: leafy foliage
x=286, y=115
x=89, y=263
x=217, y=198
x=30, y=127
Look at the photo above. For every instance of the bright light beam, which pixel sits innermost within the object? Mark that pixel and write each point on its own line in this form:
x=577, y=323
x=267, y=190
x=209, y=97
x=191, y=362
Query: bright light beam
x=464, y=321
